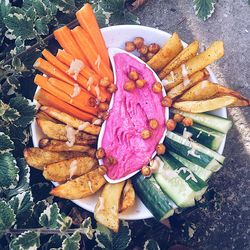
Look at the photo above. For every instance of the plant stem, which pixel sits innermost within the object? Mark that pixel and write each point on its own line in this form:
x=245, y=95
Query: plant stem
x=38, y=230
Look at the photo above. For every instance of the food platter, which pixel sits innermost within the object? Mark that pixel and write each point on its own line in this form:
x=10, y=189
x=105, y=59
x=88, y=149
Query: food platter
x=115, y=37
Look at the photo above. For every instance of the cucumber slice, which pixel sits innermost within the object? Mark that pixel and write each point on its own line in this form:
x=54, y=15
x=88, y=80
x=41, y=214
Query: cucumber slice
x=174, y=186
x=211, y=121
x=203, y=135
x=202, y=173
x=150, y=193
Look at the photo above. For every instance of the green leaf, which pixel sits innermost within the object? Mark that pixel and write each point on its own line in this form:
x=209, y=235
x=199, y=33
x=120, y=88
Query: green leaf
x=8, y=171
x=6, y=144
x=65, y=6
x=27, y=240
x=103, y=237
x=63, y=222
x=72, y=242
x=204, y=8
x=49, y=216
x=131, y=18
x=54, y=242
x=22, y=205
x=8, y=114
x=86, y=228
x=41, y=26
x=7, y=216
x=4, y=10
x=151, y=245
x=13, y=84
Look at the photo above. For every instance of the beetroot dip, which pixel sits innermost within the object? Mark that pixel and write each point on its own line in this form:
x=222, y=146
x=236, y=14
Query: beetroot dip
x=129, y=115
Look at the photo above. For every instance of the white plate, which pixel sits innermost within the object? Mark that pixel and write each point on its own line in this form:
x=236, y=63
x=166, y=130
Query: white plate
x=115, y=37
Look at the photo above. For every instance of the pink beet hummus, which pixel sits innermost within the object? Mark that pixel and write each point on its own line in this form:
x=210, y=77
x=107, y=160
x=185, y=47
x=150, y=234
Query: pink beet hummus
x=129, y=115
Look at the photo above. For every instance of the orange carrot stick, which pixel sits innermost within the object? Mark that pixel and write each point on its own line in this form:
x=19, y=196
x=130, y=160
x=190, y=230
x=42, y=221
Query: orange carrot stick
x=85, y=43
x=87, y=20
x=65, y=39
x=46, y=99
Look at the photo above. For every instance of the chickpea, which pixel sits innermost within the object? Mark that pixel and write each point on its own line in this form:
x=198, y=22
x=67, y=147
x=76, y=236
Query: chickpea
x=138, y=42
x=102, y=170
x=178, y=117
x=133, y=75
x=111, y=160
x=129, y=46
x=143, y=58
x=160, y=149
x=103, y=115
x=140, y=83
x=112, y=88
x=104, y=82
x=103, y=106
x=145, y=134
x=146, y=171
x=166, y=101
x=143, y=50
x=187, y=122
x=149, y=55
x=92, y=102
x=171, y=124
x=154, y=48
x=157, y=87
x=153, y=123
x=100, y=153
x=129, y=86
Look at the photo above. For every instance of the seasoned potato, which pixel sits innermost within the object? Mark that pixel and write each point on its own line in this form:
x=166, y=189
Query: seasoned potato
x=227, y=91
x=127, y=197
x=169, y=51
x=39, y=158
x=71, y=121
x=74, y=167
x=240, y=103
x=80, y=187
x=106, y=209
x=189, y=52
x=44, y=116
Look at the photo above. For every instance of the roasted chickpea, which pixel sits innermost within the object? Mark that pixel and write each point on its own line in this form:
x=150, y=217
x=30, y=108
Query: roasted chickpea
x=157, y=87
x=102, y=170
x=146, y=171
x=129, y=86
x=130, y=46
x=111, y=160
x=97, y=121
x=178, y=117
x=138, y=42
x=112, y=88
x=170, y=124
x=103, y=115
x=143, y=50
x=140, y=83
x=103, y=106
x=92, y=102
x=187, y=122
x=154, y=48
x=149, y=55
x=100, y=153
x=160, y=149
x=166, y=101
x=153, y=123
x=133, y=75
x=145, y=134
x=104, y=82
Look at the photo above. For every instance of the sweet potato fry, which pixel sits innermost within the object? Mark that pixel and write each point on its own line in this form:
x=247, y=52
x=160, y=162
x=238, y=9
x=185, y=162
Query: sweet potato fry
x=80, y=187
x=106, y=209
x=169, y=51
x=65, y=170
x=189, y=52
x=127, y=197
x=71, y=121
x=39, y=158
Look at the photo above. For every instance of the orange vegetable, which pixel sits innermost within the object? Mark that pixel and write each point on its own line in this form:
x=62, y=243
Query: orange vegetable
x=88, y=22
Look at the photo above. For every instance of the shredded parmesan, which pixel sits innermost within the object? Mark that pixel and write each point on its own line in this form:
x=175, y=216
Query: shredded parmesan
x=186, y=170
x=101, y=204
x=97, y=90
x=165, y=81
x=203, y=84
x=90, y=186
x=97, y=122
x=184, y=72
x=70, y=134
x=76, y=90
x=199, y=134
x=187, y=134
x=72, y=168
x=193, y=153
x=89, y=83
x=83, y=126
x=98, y=62
x=75, y=68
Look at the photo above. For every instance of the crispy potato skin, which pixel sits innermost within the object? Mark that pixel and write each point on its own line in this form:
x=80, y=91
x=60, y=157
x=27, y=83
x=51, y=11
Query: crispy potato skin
x=127, y=197
x=39, y=158
x=106, y=209
x=80, y=187
x=61, y=171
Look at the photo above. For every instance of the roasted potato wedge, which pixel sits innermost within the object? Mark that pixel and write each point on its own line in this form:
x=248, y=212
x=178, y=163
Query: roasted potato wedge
x=80, y=187
x=71, y=121
x=169, y=51
x=127, y=197
x=106, y=209
x=39, y=158
x=44, y=116
x=239, y=103
x=194, y=79
x=197, y=63
x=65, y=170
x=189, y=52
x=227, y=91
x=205, y=105
x=59, y=132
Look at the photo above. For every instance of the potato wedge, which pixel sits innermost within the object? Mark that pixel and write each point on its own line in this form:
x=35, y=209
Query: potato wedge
x=169, y=51
x=240, y=103
x=127, y=197
x=107, y=206
x=197, y=63
x=227, y=91
x=80, y=187
x=201, y=91
x=189, y=52
x=194, y=79
x=44, y=116
x=71, y=121
x=39, y=158
x=65, y=170
x=206, y=105
x=59, y=132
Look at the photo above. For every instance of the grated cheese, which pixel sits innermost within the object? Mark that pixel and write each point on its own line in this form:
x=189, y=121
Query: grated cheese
x=199, y=134
x=97, y=122
x=70, y=134
x=184, y=72
x=97, y=90
x=190, y=174
x=186, y=134
x=193, y=153
x=89, y=83
x=83, y=126
x=101, y=204
x=76, y=90
x=72, y=168
x=98, y=62
x=75, y=68
x=90, y=187
x=165, y=81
